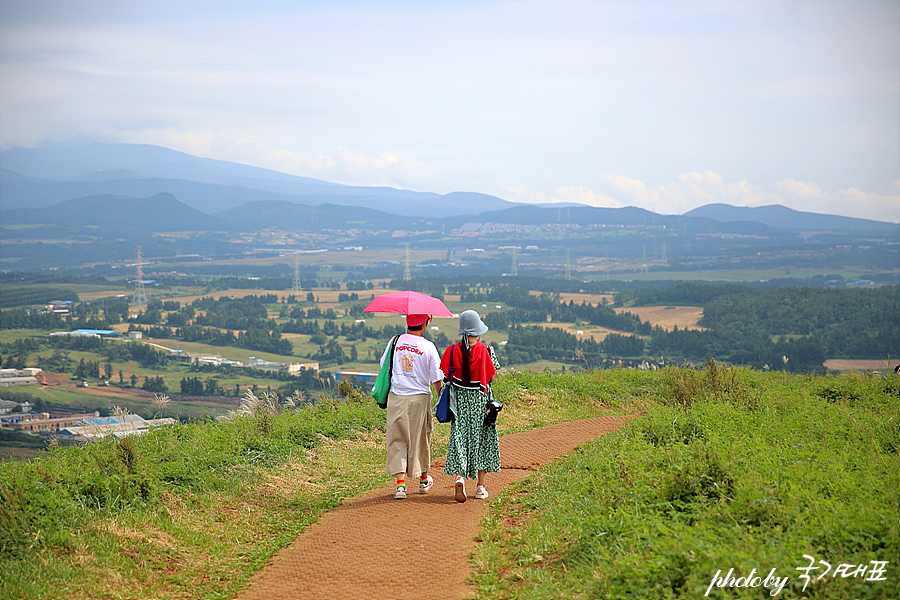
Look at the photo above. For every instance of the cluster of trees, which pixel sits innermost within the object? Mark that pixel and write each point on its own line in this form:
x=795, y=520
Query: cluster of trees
x=233, y=313
x=193, y=386
x=793, y=329
x=154, y=384
x=352, y=331
x=99, y=314
x=89, y=369
x=532, y=343
x=16, y=353
x=298, y=312
x=213, y=321
x=19, y=318
x=260, y=339
x=845, y=323
x=147, y=356
x=103, y=311
x=24, y=296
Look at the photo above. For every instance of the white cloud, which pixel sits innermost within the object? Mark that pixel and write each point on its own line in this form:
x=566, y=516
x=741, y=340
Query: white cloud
x=633, y=188
x=695, y=189
x=583, y=196
x=484, y=96
x=800, y=189
x=868, y=206
x=523, y=194
x=577, y=194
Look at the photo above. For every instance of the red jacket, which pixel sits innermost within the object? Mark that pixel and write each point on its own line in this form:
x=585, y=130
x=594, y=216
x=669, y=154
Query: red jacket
x=481, y=367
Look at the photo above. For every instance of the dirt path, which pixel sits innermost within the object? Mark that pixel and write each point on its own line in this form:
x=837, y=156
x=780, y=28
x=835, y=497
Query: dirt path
x=376, y=548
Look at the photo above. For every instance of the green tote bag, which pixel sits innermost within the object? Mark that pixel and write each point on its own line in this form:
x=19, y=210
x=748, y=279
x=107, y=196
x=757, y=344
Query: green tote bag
x=383, y=381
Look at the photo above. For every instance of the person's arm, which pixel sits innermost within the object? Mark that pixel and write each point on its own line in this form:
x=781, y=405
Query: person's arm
x=493, y=357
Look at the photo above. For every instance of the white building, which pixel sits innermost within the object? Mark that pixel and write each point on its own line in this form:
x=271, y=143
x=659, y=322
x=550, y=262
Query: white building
x=9, y=377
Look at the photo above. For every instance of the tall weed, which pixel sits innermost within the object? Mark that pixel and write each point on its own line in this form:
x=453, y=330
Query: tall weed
x=686, y=386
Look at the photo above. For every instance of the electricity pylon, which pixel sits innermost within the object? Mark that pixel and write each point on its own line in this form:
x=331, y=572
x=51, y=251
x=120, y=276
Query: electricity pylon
x=140, y=294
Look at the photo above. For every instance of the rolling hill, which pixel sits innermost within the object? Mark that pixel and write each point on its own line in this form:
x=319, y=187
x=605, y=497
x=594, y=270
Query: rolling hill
x=782, y=217
x=160, y=213
x=38, y=177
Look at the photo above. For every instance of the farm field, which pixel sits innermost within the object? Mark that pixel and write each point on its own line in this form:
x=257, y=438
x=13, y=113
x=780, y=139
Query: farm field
x=598, y=334
x=356, y=353
x=667, y=317
x=589, y=298
x=844, y=365
x=743, y=275
x=227, y=352
x=96, y=295
x=137, y=401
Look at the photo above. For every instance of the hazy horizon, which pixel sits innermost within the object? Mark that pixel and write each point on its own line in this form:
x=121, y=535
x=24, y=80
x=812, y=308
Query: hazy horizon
x=666, y=106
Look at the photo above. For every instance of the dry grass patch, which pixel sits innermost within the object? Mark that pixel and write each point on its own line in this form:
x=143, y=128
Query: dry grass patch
x=841, y=364
x=668, y=317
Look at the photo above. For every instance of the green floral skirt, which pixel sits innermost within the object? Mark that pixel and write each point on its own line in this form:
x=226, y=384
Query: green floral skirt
x=473, y=446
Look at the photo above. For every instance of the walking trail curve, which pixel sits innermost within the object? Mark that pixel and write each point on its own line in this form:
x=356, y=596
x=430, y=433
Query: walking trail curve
x=376, y=548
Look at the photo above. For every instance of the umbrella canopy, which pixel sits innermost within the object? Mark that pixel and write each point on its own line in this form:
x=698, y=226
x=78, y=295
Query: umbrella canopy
x=408, y=303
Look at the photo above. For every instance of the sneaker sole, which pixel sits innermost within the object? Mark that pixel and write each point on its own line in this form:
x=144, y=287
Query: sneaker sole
x=460, y=492
x=400, y=496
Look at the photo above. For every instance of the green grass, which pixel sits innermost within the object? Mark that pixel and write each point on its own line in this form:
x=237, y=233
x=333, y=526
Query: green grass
x=187, y=511
x=729, y=468
x=737, y=470
x=195, y=510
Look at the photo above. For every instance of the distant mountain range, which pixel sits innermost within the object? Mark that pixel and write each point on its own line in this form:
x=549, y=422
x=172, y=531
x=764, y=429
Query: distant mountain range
x=782, y=217
x=157, y=189
x=39, y=177
x=159, y=213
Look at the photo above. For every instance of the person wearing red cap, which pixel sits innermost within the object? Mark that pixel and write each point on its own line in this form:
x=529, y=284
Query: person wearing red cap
x=416, y=369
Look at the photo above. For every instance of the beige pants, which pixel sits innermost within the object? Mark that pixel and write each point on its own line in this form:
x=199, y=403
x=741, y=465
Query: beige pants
x=408, y=434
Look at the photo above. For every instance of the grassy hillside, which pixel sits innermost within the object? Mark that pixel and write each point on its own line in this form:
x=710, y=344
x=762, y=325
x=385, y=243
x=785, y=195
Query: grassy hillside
x=728, y=468
x=737, y=470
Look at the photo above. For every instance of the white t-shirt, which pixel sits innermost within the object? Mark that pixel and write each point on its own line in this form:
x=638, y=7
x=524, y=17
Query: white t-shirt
x=416, y=365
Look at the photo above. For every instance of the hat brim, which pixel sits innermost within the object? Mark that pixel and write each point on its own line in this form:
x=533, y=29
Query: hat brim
x=479, y=329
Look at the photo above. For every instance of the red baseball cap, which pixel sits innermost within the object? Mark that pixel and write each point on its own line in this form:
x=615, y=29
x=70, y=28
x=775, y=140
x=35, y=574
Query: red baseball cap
x=416, y=320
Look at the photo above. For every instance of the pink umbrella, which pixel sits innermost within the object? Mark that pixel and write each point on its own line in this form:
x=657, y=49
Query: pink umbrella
x=408, y=303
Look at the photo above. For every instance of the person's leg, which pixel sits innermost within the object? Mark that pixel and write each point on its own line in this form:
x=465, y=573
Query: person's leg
x=459, y=488
x=400, y=494
x=481, y=492
x=425, y=483
x=420, y=428
x=397, y=441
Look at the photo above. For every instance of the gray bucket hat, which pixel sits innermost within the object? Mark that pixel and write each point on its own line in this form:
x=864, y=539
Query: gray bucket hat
x=470, y=323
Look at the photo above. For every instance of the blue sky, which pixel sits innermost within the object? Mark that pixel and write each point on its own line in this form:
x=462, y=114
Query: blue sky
x=663, y=105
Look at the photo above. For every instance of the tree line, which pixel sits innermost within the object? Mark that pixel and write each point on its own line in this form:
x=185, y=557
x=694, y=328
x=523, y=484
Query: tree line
x=792, y=329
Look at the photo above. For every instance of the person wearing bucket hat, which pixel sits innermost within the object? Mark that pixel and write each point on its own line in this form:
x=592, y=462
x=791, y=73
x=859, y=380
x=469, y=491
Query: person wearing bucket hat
x=474, y=447
x=415, y=371
x=471, y=324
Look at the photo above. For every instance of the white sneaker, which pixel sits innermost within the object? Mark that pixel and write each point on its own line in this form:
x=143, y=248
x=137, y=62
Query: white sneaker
x=424, y=486
x=400, y=494
x=460, y=489
x=481, y=493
